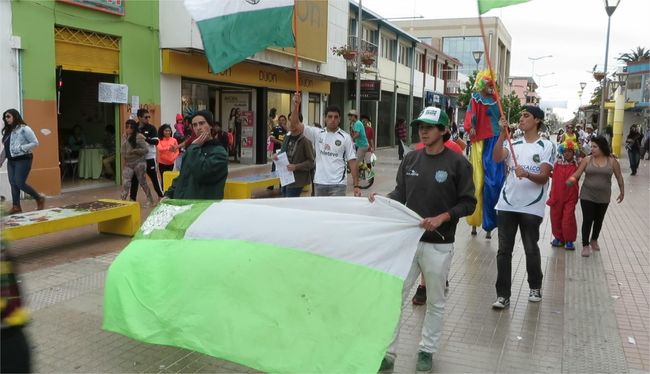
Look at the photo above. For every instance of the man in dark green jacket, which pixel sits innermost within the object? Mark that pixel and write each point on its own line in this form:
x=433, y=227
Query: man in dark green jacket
x=205, y=165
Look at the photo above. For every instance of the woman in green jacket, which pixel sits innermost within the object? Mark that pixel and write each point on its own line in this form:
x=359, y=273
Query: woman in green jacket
x=204, y=168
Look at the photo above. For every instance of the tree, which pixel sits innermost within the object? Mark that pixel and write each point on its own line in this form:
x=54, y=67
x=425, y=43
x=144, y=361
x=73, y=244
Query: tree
x=595, y=96
x=511, y=107
x=640, y=54
x=466, y=94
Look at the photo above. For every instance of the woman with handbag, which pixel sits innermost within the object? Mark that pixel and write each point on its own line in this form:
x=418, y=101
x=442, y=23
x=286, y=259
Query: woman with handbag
x=19, y=140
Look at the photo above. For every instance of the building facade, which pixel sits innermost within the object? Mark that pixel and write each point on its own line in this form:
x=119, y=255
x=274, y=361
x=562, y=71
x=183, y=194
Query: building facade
x=67, y=50
x=526, y=90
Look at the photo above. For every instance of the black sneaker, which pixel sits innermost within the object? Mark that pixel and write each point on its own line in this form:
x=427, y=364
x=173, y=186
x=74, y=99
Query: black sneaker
x=501, y=303
x=425, y=361
x=420, y=297
x=387, y=364
x=535, y=295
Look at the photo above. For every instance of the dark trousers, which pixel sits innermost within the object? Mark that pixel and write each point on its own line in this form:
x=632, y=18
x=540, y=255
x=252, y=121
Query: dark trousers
x=18, y=171
x=15, y=356
x=400, y=149
x=593, y=215
x=528, y=225
x=635, y=159
x=151, y=172
x=162, y=168
x=291, y=191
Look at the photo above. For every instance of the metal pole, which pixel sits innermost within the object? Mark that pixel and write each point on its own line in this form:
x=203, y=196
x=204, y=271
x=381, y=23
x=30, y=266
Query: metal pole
x=601, y=118
x=358, y=59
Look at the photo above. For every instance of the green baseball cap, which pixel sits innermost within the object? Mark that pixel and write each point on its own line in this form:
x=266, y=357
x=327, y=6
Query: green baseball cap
x=431, y=116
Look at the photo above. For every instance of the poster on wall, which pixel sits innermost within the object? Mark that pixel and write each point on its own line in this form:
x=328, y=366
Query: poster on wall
x=230, y=103
x=113, y=93
x=107, y=6
x=248, y=137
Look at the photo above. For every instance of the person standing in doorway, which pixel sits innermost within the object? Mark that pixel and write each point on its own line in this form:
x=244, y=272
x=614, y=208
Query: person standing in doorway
x=19, y=140
x=437, y=184
x=521, y=202
x=151, y=137
x=334, y=151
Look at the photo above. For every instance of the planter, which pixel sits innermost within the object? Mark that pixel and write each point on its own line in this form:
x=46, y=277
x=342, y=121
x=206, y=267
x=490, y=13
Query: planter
x=368, y=61
x=349, y=55
x=599, y=75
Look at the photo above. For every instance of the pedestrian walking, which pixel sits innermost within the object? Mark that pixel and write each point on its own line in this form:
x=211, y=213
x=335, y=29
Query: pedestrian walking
x=134, y=151
x=400, y=135
x=437, y=184
x=151, y=138
x=596, y=191
x=334, y=151
x=521, y=202
x=633, y=146
x=370, y=132
x=563, y=198
x=167, y=149
x=569, y=134
x=18, y=140
x=205, y=164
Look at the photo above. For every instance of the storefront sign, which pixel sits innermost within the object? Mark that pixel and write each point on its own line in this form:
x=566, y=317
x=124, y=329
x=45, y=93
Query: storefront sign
x=107, y=6
x=370, y=90
x=113, y=93
x=248, y=138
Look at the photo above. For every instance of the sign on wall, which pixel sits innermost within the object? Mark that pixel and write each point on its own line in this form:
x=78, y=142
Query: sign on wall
x=370, y=90
x=113, y=93
x=312, y=30
x=107, y=6
x=248, y=138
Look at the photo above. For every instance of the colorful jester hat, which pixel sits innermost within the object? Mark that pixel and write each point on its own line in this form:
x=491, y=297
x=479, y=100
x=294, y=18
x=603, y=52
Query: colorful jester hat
x=568, y=144
x=484, y=79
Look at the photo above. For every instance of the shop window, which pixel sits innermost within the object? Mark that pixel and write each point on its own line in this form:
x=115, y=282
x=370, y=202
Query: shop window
x=314, y=109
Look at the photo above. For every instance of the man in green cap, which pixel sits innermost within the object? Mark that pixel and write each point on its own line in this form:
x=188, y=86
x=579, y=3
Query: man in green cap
x=436, y=183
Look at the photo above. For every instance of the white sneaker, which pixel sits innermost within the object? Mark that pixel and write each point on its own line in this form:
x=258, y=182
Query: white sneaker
x=535, y=295
x=501, y=303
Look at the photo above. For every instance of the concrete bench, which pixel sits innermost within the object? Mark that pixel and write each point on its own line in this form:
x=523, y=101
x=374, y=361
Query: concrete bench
x=111, y=216
x=236, y=187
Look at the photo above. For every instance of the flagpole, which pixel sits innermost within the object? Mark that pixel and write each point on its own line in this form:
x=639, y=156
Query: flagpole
x=496, y=90
x=295, y=39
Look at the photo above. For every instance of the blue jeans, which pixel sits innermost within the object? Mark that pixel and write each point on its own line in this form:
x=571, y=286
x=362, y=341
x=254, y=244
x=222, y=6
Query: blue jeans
x=329, y=189
x=635, y=159
x=18, y=171
x=291, y=191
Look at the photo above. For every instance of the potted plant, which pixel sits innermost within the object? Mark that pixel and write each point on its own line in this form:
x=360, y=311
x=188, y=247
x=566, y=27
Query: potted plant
x=367, y=58
x=599, y=75
x=345, y=51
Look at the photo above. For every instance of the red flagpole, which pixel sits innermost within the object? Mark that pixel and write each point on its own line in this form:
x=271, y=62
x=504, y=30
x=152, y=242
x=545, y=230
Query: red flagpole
x=496, y=90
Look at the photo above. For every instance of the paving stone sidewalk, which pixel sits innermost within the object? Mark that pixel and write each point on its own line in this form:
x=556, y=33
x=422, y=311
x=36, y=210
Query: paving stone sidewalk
x=591, y=308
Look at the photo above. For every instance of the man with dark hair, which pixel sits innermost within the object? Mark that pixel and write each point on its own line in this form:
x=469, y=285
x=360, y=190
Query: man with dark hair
x=151, y=137
x=437, y=184
x=522, y=201
x=334, y=149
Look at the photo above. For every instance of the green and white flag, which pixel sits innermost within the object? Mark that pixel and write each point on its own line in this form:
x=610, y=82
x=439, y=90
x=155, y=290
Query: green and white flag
x=278, y=285
x=486, y=5
x=233, y=30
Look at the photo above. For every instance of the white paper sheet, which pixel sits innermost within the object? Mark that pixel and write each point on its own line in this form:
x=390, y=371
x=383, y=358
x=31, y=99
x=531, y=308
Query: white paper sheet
x=286, y=176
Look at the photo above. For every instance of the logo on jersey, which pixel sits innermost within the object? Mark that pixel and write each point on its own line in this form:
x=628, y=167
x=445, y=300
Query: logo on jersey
x=412, y=173
x=441, y=176
x=337, y=143
x=536, y=157
x=326, y=147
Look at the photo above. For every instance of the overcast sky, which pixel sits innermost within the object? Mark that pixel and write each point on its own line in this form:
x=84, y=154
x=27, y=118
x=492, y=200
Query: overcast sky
x=573, y=31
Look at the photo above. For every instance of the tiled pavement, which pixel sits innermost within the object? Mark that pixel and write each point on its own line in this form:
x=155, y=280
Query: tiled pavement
x=594, y=316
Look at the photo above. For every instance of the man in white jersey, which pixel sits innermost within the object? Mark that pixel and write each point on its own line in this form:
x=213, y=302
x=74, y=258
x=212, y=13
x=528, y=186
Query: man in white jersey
x=334, y=149
x=522, y=202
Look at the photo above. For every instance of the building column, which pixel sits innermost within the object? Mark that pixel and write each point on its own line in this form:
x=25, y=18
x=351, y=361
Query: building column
x=610, y=117
x=619, y=122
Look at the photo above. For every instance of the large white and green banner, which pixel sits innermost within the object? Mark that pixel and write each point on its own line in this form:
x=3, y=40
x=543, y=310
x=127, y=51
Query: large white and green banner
x=232, y=30
x=279, y=285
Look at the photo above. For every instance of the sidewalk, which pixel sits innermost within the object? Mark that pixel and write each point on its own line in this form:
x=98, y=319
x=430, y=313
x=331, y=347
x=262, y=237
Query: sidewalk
x=594, y=316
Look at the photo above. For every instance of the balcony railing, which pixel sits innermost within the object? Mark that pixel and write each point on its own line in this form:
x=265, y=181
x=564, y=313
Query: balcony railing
x=368, y=52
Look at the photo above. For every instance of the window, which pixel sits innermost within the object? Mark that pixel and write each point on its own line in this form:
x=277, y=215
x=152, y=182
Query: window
x=430, y=68
x=387, y=48
x=404, y=55
x=418, y=61
x=370, y=35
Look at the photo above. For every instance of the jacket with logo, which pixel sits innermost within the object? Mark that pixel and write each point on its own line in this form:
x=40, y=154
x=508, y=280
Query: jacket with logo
x=434, y=184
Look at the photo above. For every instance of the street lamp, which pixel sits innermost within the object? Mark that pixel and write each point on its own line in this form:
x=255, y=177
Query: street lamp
x=533, y=59
x=539, y=77
x=477, y=57
x=609, y=8
x=582, y=88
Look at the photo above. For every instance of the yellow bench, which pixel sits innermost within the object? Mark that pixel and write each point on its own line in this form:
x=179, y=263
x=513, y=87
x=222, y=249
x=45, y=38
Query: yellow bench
x=111, y=216
x=237, y=187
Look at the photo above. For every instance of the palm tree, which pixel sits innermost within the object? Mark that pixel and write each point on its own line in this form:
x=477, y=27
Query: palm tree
x=640, y=54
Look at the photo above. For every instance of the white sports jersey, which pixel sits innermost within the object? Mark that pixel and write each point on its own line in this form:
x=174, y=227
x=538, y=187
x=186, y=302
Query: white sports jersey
x=333, y=151
x=523, y=195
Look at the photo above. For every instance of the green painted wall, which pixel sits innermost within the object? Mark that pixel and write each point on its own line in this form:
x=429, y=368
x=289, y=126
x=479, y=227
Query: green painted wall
x=34, y=21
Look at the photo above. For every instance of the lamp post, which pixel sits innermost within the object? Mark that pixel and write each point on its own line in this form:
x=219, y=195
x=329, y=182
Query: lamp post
x=358, y=60
x=539, y=77
x=533, y=59
x=477, y=57
x=619, y=113
x=609, y=8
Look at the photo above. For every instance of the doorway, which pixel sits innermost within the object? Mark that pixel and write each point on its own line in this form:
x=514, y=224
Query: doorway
x=87, y=137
